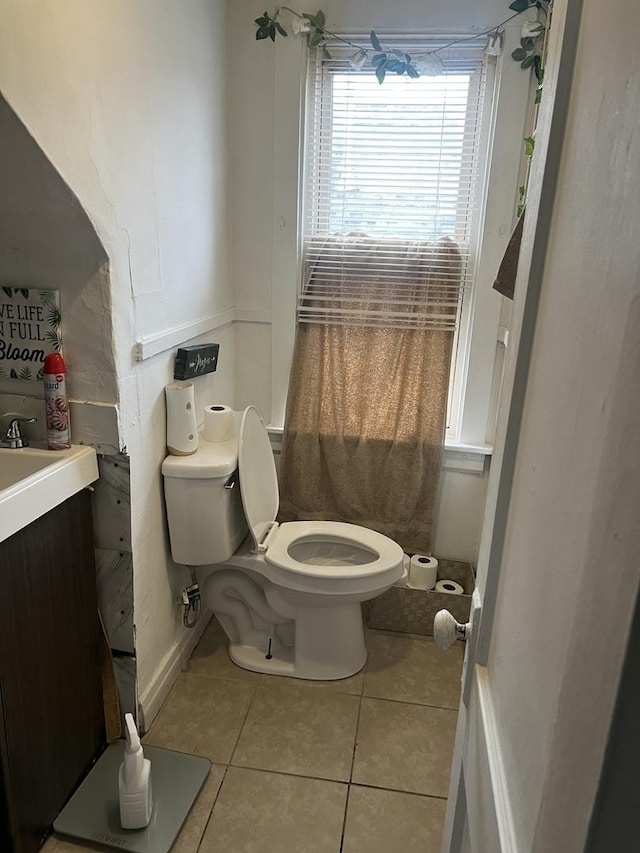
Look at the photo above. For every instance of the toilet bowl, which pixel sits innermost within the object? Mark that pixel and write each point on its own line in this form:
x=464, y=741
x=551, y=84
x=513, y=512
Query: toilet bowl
x=287, y=595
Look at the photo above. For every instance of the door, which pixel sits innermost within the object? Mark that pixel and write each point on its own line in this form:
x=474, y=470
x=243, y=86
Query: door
x=558, y=569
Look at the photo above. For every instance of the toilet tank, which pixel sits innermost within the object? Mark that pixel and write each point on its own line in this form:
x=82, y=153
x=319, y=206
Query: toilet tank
x=204, y=508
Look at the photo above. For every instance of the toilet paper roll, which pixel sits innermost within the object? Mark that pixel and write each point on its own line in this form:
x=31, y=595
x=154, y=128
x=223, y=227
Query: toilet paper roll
x=218, y=423
x=423, y=571
x=182, y=428
x=451, y=587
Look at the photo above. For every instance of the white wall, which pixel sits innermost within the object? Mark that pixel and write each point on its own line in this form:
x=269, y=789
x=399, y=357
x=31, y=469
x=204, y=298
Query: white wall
x=47, y=240
x=264, y=94
x=127, y=101
x=460, y=507
x=161, y=642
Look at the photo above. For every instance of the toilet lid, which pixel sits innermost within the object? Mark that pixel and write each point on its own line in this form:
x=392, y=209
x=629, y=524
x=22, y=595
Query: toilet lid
x=258, y=478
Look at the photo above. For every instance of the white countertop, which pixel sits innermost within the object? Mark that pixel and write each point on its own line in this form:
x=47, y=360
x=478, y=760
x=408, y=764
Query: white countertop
x=34, y=481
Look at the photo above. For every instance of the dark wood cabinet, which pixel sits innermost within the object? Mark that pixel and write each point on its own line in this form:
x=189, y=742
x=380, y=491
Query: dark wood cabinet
x=52, y=725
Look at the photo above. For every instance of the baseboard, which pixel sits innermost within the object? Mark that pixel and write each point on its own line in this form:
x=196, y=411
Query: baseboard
x=494, y=800
x=152, y=697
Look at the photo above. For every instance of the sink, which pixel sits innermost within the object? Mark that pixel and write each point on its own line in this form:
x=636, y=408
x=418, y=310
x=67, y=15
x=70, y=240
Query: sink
x=16, y=465
x=34, y=481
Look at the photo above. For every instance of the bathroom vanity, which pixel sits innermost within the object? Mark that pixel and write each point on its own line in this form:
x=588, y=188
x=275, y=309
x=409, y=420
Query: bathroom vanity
x=51, y=712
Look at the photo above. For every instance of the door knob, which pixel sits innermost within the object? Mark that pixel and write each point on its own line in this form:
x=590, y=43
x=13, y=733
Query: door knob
x=446, y=629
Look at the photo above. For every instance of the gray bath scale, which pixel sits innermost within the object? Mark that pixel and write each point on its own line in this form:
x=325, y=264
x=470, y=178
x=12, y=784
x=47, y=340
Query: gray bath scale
x=93, y=813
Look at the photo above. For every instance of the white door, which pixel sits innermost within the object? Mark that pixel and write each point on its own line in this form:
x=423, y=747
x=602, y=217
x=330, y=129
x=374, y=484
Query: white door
x=558, y=567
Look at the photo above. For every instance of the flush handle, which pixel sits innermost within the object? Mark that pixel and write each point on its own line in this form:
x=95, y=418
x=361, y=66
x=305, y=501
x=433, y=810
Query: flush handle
x=231, y=482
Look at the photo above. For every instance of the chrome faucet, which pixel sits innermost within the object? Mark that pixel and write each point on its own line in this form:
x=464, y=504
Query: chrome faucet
x=12, y=438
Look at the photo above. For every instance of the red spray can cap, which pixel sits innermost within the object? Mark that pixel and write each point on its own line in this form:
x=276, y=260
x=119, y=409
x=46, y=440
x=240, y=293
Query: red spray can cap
x=54, y=363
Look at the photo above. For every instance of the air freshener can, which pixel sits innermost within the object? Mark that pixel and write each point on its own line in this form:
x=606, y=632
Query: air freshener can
x=56, y=403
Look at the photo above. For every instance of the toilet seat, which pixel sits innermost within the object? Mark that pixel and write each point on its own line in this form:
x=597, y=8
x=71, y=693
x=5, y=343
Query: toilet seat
x=308, y=550
x=331, y=549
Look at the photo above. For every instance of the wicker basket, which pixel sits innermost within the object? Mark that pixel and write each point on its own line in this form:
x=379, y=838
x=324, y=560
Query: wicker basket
x=412, y=610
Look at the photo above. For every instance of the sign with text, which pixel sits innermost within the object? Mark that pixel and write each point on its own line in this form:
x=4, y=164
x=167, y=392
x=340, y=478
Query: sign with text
x=29, y=330
x=195, y=361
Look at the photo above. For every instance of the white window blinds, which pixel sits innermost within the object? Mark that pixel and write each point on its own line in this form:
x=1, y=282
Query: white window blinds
x=391, y=191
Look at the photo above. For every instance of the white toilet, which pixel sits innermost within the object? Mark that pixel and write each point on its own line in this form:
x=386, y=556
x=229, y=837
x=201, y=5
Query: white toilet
x=288, y=596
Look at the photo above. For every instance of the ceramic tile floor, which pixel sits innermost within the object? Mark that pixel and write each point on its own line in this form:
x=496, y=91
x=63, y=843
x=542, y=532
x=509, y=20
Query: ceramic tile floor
x=354, y=766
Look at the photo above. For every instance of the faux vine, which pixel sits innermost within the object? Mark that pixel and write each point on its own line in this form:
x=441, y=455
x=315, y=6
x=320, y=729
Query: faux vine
x=387, y=60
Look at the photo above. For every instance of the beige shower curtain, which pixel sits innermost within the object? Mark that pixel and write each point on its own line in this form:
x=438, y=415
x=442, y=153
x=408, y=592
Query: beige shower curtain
x=366, y=409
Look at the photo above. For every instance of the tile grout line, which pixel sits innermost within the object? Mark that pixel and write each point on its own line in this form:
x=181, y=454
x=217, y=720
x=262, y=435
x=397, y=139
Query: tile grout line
x=353, y=758
x=244, y=722
x=347, y=783
x=344, y=819
x=324, y=779
x=415, y=704
x=396, y=791
x=213, y=805
x=256, y=683
x=288, y=773
x=283, y=679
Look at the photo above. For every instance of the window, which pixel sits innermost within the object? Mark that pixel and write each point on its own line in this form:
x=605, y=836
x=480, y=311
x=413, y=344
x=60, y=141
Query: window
x=399, y=161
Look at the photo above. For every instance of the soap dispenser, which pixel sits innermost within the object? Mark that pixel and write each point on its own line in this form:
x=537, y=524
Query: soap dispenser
x=134, y=781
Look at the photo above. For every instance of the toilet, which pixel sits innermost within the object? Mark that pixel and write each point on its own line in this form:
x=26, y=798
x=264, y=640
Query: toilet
x=288, y=595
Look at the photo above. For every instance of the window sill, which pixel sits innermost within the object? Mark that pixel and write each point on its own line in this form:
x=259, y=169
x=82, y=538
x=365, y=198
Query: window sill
x=467, y=458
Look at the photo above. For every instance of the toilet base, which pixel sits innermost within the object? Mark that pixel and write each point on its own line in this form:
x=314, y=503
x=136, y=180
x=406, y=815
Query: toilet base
x=254, y=659
x=281, y=631
x=329, y=645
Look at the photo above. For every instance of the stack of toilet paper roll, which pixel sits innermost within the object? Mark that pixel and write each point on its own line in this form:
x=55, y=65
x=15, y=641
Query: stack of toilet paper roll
x=423, y=574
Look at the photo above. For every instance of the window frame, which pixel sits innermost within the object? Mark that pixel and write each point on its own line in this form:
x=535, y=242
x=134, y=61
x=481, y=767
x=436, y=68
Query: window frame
x=504, y=122
x=311, y=185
